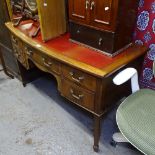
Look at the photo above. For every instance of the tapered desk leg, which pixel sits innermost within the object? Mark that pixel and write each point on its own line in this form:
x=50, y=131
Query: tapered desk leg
x=97, y=131
x=3, y=65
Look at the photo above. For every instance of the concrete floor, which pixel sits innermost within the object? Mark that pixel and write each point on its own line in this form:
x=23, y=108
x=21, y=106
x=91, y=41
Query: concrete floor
x=35, y=120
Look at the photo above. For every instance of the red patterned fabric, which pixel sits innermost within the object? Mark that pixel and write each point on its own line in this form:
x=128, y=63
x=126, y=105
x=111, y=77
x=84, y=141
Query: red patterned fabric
x=145, y=34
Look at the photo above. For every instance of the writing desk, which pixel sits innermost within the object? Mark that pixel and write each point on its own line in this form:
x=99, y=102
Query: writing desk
x=84, y=76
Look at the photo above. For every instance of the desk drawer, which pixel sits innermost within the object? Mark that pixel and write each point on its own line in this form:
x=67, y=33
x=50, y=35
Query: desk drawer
x=46, y=62
x=79, y=77
x=77, y=95
x=19, y=51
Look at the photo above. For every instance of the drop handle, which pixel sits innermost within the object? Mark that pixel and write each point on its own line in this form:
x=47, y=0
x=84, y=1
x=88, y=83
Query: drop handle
x=78, y=79
x=48, y=64
x=92, y=5
x=78, y=97
x=29, y=52
x=87, y=4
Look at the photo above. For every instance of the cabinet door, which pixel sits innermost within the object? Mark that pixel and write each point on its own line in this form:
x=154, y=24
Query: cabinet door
x=103, y=13
x=79, y=10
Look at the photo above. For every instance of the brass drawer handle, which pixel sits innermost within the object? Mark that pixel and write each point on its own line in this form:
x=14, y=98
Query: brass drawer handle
x=48, y=64
x=79, y=79
x=29, y=53
x=78, y=97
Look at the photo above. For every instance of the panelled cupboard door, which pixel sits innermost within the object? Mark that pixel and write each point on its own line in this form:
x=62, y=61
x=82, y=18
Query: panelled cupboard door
x=79, y=10
x=103, y=14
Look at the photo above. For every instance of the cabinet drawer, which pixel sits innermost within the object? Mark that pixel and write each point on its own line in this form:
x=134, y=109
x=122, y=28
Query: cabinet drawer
x=77, y=94
x=79, y=77
x=48, y=63
x=100, y=40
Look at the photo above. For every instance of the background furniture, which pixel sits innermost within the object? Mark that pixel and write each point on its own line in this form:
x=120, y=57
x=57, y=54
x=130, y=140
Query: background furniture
x=144, y=35
x=52, y=17
x=5, y=42
x=11, y=63
x=86, y=83
x=105, y=25
x=135, y=115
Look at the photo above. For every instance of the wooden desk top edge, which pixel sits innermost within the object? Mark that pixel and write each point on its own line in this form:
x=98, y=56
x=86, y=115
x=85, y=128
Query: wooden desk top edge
x=80, y=65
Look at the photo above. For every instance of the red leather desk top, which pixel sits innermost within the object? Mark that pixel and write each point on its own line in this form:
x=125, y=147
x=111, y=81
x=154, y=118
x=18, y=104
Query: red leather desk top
x=80, y=53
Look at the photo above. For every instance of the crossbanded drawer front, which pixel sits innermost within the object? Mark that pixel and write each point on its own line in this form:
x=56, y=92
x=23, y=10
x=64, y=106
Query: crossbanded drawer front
x=46, y=62
x=78, y=95
x=79, y=77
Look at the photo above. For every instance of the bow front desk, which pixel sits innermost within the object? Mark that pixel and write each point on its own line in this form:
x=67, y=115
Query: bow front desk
x=84, y=76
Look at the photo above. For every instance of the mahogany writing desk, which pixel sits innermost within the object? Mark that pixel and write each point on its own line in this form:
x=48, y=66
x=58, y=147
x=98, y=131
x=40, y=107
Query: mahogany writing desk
x=84, y=76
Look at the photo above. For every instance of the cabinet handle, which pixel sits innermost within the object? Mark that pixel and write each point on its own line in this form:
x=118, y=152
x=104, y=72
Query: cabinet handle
x=92, y=5
x=45, y=3
x=78, y=31
x=79, y=79
x=78, y=97
x=106, y=8
x=48, y=64
x=87, y=4
x=100, y=42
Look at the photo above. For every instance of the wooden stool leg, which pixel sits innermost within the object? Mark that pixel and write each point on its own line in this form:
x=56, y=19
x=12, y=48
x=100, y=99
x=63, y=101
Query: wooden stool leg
x=3, y=65
x=97, y=131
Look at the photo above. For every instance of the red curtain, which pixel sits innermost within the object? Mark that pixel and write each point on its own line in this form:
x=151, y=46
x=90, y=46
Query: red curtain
x=145, y=34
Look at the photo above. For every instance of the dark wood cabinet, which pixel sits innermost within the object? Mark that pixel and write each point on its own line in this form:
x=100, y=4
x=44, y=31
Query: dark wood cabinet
x=78, y=10
x=106, y=25
x=96, y=13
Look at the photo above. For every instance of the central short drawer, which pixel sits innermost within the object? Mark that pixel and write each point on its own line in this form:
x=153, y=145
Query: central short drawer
x=79, y=77
x=78, y=95
x=45, y=61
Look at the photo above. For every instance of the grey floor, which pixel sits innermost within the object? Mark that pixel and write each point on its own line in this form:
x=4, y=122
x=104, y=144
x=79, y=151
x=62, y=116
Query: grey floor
x=36, y=120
